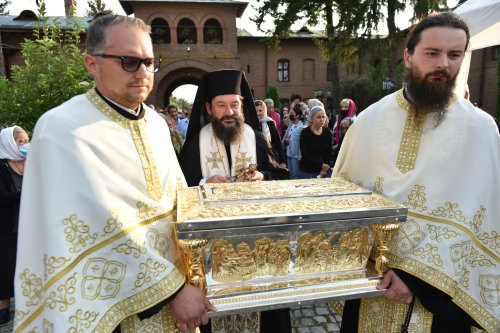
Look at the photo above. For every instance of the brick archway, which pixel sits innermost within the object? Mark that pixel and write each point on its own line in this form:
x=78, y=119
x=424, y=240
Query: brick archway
x=175, y=75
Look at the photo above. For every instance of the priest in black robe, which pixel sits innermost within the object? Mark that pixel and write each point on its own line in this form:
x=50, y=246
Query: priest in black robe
x=224, y=106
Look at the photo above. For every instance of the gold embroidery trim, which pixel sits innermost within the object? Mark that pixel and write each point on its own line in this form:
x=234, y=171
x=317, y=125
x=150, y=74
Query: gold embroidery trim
x=447, y=285
x=141, y=140
x=82, y=256
x=135, y=303
x=410, y=142
x=456, y=225
x=412, y=133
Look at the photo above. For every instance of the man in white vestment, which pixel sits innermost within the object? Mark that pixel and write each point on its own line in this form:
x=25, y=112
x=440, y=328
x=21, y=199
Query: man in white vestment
x=436, y=153
x=96, y=246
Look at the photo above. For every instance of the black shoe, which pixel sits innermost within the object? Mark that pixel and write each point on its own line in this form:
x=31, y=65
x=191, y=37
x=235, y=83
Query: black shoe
x=4, y=316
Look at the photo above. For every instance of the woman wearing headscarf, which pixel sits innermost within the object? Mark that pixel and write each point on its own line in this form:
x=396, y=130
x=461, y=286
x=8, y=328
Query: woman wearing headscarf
x=347, y=109
x=316, y=146
x=14, y=144
x=268, y=127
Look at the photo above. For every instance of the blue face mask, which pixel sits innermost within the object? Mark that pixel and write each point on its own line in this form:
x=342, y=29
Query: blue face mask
x=24, y=149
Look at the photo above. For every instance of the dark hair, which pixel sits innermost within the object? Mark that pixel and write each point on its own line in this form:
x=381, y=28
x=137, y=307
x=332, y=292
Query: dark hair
x=295, y=96
x=297, y=108
x=446, y=19
x=170, y=107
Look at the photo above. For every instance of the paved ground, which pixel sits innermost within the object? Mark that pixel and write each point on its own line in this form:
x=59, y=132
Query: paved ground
x=320, y=318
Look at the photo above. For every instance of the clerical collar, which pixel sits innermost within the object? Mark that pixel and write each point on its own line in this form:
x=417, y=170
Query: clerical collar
x=124, y=111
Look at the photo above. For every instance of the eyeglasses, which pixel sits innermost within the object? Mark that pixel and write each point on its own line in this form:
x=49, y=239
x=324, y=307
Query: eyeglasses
x=132, y=64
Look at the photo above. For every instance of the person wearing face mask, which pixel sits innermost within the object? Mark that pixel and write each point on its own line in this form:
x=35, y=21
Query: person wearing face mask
x=347, y=109
x=14, y=145
x=291, y=139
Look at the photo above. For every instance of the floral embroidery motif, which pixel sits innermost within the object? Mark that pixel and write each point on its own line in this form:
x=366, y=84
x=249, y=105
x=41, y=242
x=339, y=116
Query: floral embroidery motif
x=451, y=211
x=32, y=287
x=82, y=320
x=492, y=240
x=478, y=259
x=112, y=224
x=490, y=289
x=417, y=199
x=459, y=254
x=150, y=269
x=478, y=219
x=429, y=253
x=53, y=263
x=62, y=297
x=145, y=210
x=409, y=236
x=130, y=247
x=438, y=233
x=102, y=278
x=78, y=233
x=379, y=185
x=160, y=243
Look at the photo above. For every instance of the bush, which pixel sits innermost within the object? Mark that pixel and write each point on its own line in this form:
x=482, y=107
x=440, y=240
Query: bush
x=362, y=90
x=272, y=93
x=53, y=73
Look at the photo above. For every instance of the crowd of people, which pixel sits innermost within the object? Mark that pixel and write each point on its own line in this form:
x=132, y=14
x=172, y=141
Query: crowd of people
x=99, y=188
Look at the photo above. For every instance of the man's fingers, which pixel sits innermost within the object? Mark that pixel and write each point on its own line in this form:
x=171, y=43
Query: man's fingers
x=209, y=306
x=386, y=281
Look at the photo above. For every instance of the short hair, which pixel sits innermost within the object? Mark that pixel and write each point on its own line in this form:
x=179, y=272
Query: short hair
x=97, y=40
x=269, y=101
x=446, y=19
x=295, y=96
x=170, y=107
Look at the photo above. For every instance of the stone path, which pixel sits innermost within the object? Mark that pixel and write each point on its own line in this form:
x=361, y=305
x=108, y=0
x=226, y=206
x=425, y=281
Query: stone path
x=319, y=318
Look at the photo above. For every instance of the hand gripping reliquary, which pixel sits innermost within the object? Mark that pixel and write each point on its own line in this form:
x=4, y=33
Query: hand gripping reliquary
x=266, y=245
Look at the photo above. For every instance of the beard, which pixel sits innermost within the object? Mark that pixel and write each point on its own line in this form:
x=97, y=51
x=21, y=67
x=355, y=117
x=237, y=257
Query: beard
x=228, y=134
x=427, y=93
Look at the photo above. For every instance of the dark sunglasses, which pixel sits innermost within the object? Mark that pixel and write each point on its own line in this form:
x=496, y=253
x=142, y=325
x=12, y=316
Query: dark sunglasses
x=132, y=64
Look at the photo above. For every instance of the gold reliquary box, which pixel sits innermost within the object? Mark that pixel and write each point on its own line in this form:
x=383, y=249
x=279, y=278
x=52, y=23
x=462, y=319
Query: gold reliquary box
x=274, y=244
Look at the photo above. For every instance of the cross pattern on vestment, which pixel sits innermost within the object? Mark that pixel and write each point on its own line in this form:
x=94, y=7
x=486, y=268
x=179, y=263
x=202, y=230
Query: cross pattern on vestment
x=242, y=161
x=215, y=159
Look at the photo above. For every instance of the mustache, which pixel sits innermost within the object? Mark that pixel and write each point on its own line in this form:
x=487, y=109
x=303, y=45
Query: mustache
x=232, y=117
x=444, y=72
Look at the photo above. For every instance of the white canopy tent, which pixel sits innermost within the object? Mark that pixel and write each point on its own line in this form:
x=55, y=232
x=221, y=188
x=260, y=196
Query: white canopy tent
x=483, y=19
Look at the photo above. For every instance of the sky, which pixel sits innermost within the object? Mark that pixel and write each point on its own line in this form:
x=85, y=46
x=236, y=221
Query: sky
x=187, y=92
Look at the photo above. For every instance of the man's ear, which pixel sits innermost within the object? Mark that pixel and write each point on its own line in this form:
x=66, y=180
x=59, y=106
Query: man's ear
x=91, y=63
x=407, y=56
x=208, y=107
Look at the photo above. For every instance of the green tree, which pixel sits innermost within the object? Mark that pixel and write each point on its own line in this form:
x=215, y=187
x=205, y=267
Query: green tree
x=180, y=102
x=3, y=7
x=272, y=93
x=351, y=36
x=53, y=73
x=97, y=7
